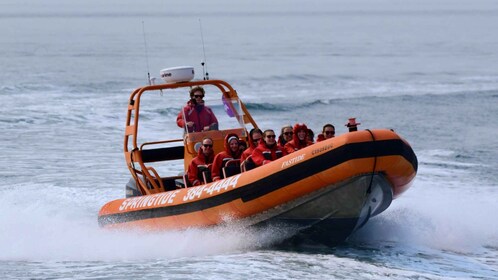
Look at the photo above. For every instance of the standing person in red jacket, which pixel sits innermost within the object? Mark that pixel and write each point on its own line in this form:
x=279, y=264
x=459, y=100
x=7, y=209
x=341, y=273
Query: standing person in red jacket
x=299, y=140
x=197, y=116
x=255, y=136
x=204, y=156
x=268, y=150
x=231, y=151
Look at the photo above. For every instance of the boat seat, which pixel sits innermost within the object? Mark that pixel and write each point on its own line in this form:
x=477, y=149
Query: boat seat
x=171, y=183
x=223, y=164
x=204, y=173
x=162, y=154
x=247, y=164
x=231, y=168
x=186, y=181
x=225, y=160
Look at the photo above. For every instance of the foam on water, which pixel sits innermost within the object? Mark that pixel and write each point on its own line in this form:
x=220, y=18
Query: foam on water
x=443, y=220
x=45, y=222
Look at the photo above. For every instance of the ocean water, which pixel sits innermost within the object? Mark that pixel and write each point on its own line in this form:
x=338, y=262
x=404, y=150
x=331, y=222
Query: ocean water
x=426, y=69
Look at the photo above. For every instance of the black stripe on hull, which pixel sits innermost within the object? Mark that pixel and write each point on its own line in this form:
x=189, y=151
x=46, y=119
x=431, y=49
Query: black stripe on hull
x=275, y=180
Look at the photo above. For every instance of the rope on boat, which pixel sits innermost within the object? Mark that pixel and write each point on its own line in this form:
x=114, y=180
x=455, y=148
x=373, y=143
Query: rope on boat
x=369, y=190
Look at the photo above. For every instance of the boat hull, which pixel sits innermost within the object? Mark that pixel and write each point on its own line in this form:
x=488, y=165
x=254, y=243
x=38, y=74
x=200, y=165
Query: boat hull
x=332, y=214
x=325, y=191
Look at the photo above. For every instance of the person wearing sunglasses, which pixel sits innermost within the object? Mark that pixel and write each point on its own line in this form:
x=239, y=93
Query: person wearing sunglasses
x=285, y=136
x=268, y=150
x=204, y=157
x=299, y=139
x=196, y=116
x=328, y=132
x=231, y=151
x=255, y=136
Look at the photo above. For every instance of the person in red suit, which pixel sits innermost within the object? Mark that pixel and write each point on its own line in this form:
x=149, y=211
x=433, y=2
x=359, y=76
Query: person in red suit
x=231, y=151
x=328, y=132
x=204, y=156
x=195, y=116
x=285, y=135
x=299, y=140
x=255, y=136
x=268, y=150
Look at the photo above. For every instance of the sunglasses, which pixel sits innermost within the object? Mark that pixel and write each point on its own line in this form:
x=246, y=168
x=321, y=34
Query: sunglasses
x=207, y=145
x=255, y=140
x=270, y=136
x=330, y=132
x=289, y=133
x=198, y=96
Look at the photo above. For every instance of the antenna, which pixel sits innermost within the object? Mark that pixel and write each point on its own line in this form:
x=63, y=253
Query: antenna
x=146, y=54
x=204, y=62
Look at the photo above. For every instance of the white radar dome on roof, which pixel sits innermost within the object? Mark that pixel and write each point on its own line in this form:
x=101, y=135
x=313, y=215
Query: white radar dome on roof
x=177, y=74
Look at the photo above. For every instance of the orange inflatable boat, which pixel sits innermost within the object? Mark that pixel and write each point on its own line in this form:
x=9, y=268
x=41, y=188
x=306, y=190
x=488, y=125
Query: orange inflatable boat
x=323, y=192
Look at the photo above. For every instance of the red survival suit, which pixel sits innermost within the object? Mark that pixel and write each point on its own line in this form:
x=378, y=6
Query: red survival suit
x=216, y=172
x=247, y=152
x=200, y=114
x=263, y=154
x=296, y=144
x=192, y=172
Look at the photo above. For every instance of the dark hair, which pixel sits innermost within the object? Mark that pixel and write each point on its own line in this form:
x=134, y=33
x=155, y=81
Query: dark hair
x=327, y=125
x=254, y=130
x=284, y=127
x=197, y=88
x=311, y=133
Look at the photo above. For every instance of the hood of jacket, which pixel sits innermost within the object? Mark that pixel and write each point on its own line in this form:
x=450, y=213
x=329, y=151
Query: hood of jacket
x=298, y=143
x=229, y=137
